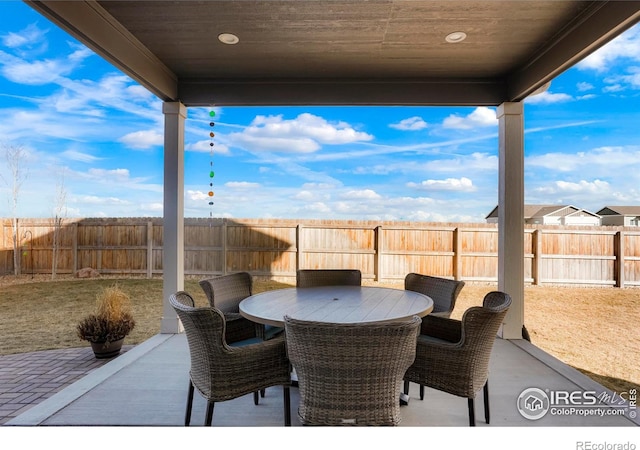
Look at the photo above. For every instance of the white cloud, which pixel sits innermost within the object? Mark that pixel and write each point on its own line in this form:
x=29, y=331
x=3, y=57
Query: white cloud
x=79, y=156
x=142, y=139
x=474, y=163
x=204, y=147
x=242, y=185
x=109, y=175
x=613, y=88
x=619, y=82
x=480, y=117
x=304, y=196
x=304, y=134
x=564, y=188
x=26, y=37
x=97, y=200
x=411, y=124
x=595, y=186
x=316, y=207
x=138, y=91
x=609, y=159
x=196, y=195
x=584, y=86
x=313, y=194
x=80, y=53
x=548, y=97
x=317, y=186
x=35, y=73
x=361, y=194
x=450, y=184
x=24, y=68
x=275, y=144
x=153, y=207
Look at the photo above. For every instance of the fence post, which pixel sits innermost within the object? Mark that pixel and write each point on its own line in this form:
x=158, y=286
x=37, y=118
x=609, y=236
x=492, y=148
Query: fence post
x=101, y=244
x=619, y=264
x=536, y=262
x=149, y=249
x=223, y=239
x=299, y=247
x=74, y=249
x=457, y=254
x=377, y=267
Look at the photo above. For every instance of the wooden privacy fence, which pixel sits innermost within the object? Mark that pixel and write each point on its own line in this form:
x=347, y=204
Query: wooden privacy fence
x=383, y=251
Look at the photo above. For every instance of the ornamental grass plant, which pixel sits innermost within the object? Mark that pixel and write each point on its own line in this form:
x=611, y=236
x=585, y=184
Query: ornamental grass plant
x=113, y=319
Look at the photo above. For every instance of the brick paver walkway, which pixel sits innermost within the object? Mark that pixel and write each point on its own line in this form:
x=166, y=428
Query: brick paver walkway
x=27, y=379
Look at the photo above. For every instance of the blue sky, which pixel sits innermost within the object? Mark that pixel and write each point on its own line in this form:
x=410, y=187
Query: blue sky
x=92, y=140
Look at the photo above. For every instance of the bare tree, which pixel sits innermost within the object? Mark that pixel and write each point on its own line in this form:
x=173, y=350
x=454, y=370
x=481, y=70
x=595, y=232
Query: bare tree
x=59, y=213
x=15, y=156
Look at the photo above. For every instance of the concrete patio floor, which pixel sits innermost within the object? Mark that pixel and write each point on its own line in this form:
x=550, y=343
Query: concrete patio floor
x=147, y=386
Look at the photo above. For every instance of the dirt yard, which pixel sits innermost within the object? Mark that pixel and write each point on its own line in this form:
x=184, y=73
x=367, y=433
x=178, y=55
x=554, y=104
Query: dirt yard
x=592, y=329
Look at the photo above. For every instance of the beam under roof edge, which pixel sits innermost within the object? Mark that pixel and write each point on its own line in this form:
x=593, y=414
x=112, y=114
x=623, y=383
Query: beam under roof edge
x=341, y=92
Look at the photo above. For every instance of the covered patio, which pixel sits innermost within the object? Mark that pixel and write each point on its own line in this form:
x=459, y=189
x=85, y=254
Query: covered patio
x=147, y=386
x=347, y=52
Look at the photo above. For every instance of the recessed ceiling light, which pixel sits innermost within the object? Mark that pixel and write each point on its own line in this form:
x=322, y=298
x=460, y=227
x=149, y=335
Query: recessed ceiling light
x=228, y=38
x=455, y=37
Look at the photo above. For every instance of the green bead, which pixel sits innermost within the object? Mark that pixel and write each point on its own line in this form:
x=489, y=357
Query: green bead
x=211, y=174
x=212, y=113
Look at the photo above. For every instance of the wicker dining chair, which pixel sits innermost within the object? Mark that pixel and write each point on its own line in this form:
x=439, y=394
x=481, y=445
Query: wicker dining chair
x=328, y=277
x=453, y=355
x=350, y=374
x=221, y=372
x=225, y=292
x=442, y=291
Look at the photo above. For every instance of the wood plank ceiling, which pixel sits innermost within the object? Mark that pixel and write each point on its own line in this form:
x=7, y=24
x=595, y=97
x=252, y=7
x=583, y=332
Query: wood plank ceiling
x=343, y=52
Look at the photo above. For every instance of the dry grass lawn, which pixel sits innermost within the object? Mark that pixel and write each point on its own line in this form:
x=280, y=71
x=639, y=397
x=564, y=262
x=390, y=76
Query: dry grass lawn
x=594, y=330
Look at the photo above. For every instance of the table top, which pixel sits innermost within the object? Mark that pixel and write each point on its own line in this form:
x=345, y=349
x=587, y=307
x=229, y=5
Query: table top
x=335, y=304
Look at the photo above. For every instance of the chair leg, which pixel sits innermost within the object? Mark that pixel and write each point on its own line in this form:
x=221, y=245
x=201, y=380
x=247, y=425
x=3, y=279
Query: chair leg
x=262, y=391
x=187, y=414
x=287, y=406
x=472, y=413
x=406, y=387
x=422, y=392
x=255, y=398
x=209, y=418
x=486, y=401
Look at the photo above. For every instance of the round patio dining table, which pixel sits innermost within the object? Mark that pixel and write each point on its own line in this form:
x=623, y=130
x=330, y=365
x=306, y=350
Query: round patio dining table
x=335, y=304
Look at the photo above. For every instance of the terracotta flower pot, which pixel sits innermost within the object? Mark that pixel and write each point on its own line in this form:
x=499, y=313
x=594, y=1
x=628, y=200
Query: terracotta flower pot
x=104, y=350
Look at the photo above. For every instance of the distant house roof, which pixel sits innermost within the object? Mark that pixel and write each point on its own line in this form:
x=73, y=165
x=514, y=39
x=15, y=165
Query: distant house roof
x=620, y=211
x=531, y=211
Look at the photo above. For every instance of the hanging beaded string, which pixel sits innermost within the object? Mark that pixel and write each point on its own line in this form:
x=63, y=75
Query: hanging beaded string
x=211, y=172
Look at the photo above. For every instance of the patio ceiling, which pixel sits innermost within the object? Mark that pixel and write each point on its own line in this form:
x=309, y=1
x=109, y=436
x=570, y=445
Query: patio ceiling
x=342, y=52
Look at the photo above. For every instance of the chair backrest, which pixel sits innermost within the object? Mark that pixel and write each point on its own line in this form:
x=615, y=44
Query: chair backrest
x=328, y=277
x=227, y=291
x=480, y=325
x=442, y=291
x=204, y=327
x=350, y=374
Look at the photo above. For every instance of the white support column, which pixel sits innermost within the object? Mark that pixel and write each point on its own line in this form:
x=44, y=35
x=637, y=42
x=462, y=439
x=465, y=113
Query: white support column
x=173, y=234
x=511, y=214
